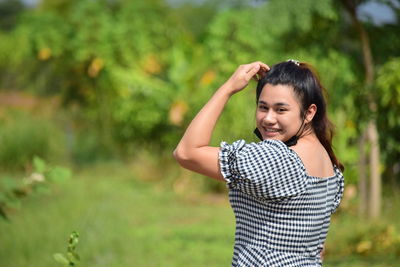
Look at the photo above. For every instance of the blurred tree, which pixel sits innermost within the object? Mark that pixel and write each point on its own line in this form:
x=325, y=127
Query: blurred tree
x=370, y=201
x=388, y=96
x=9, y=12
x=109, y=57
x=135, y=72
x=275, y=31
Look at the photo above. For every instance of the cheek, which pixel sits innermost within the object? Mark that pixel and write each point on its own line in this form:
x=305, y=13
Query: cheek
x=291, y=119
x=259, y=116
x=296, y=120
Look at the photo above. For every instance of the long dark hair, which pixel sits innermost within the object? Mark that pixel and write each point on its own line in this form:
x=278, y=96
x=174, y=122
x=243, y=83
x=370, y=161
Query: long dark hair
x=308, y=89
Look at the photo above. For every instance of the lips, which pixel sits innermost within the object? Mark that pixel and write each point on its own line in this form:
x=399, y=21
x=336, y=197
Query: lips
x=271, y=132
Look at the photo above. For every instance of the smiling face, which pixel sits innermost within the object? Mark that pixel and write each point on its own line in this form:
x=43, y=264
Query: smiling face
x=278, y=113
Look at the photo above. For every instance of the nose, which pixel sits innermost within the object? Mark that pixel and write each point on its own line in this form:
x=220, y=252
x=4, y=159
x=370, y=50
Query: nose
x=269, y=118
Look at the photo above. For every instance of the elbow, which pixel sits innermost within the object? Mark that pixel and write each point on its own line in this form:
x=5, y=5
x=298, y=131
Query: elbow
x=181, y=157
x=176, y=154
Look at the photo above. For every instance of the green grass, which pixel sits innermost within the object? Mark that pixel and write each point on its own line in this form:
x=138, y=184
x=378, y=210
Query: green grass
x=123, y=221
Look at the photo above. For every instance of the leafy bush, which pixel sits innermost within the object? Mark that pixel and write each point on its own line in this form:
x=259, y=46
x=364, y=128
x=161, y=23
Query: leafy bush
x=23, y=136
x=89, y=147
x=71, y=258
x=42, y=175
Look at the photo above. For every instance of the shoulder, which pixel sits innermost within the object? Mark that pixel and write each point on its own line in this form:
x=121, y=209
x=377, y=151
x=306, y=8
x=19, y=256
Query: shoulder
x=270, y=155
x=338, y=188
x=266, y=146
x=267, y=169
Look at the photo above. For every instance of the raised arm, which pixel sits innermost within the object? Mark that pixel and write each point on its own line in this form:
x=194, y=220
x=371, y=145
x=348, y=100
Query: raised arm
x=193, y=151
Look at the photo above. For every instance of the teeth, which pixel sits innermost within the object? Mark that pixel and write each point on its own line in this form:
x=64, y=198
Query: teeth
x=271, y=130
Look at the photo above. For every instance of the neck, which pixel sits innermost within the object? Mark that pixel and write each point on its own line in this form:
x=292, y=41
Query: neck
x=305, y=133
x=308, y=136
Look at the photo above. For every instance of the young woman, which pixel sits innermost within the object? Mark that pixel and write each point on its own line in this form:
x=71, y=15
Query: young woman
x=283, y=189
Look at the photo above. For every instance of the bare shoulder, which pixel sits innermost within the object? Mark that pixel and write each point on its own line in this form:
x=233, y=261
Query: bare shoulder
x=314, y=157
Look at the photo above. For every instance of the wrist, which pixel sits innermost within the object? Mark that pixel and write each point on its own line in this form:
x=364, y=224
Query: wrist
x=227, y=88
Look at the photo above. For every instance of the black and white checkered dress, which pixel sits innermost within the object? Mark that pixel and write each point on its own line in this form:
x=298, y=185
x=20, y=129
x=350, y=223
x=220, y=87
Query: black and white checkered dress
x=282, y=214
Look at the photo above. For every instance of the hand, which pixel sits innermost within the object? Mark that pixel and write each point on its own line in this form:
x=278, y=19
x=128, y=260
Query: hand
x=244, y=73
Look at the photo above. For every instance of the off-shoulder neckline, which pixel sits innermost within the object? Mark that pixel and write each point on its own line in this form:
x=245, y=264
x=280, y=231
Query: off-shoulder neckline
x=335, y=169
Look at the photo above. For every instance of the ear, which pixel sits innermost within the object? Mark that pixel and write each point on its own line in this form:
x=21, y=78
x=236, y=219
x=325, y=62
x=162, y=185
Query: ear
x=310, y=113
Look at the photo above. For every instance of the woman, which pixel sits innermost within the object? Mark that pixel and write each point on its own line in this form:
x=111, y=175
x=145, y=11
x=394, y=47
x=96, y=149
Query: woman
x=283, y=189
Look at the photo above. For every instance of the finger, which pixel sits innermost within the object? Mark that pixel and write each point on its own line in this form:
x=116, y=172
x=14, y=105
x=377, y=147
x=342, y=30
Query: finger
x=252, y=72
x=263, y=70
x=261, y=73
x=263, y=65
x=250, y=66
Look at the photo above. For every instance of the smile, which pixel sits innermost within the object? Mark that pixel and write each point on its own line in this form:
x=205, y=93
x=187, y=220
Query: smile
x=271, y=130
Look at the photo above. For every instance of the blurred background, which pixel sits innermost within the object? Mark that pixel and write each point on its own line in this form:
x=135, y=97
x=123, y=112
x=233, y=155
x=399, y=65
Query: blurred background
x=95, y=94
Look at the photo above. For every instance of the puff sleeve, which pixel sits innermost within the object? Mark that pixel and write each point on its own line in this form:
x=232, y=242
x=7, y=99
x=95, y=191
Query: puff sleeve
x=267, y=170
x=339, y=193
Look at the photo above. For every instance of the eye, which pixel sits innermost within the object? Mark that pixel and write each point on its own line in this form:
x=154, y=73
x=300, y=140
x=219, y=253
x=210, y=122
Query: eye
x=281, y=110
x=262, y=107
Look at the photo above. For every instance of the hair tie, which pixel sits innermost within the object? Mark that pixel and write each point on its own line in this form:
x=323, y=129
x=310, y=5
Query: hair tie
x=294, y=61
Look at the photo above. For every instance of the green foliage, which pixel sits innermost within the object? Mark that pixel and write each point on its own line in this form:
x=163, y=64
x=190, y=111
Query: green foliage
x=122, y=221
x=388, y=83
x=388, y=93
x=276, y=31
x=345, y=143
x=89, y=147
x=115, y=65
x=8, y=200
x=139, y=71
x=371, y=239
x=72, y=258
x=23, y=136
x=132, y=74
x=142, y=109
x=128, y=222
x=9, y=11
x=13, y=189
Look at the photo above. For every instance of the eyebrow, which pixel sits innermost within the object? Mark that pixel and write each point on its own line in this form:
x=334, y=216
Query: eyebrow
x=276, y=104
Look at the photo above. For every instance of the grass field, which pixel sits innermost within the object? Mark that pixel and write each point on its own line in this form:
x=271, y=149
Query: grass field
x=123, y=221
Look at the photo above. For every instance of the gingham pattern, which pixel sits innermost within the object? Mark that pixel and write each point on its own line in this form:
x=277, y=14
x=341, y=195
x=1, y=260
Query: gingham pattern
x=282, y=214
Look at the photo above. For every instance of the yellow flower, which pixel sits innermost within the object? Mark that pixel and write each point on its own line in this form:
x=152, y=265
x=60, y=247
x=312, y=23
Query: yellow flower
x=44, y=54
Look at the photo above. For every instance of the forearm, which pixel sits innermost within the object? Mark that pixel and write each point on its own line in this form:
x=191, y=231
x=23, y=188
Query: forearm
x=199, y=131
x=193, y=151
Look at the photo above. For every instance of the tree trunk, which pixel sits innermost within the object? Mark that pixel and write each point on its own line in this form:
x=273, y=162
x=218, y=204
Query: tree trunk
x=375, y=180
x=362, y=176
